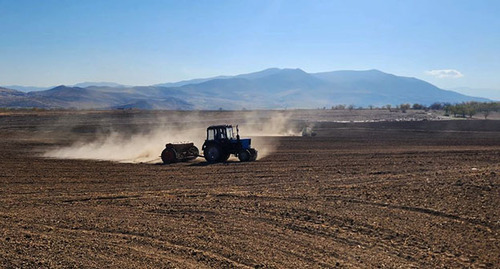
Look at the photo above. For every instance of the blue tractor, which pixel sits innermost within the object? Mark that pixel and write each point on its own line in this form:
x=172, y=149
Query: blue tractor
x=221, y=143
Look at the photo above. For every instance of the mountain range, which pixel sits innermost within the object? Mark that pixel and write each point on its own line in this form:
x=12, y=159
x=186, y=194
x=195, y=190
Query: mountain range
x=272, y=88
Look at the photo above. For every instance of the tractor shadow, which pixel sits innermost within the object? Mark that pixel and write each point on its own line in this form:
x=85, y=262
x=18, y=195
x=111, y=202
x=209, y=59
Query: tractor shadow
x=198, y=163
x=218, y=163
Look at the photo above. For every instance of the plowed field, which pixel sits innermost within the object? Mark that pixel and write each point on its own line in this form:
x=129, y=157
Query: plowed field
x=388, y=194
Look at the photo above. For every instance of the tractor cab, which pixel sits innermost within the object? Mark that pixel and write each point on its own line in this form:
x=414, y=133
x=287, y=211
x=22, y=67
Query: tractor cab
x=221, y=142
x=220, y=132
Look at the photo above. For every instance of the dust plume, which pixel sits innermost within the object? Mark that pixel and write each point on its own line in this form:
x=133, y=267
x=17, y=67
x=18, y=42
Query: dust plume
x=126, y=146
x=265, y=128
x=273, y=124
x=137, y=148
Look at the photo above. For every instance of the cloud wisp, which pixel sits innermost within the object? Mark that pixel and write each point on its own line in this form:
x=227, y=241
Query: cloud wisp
x=445, y=73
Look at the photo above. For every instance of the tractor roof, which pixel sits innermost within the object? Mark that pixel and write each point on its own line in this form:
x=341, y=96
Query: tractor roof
x=219, y=126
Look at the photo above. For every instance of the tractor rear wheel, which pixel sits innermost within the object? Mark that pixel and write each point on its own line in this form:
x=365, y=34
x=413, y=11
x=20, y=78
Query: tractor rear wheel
x=212, y=153
x=244, y=156
x=168, y=155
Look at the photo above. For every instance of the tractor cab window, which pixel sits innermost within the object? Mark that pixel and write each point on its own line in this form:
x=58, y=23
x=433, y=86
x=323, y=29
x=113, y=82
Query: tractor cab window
x=221, y=134
x=230, y=132
x=210, y=134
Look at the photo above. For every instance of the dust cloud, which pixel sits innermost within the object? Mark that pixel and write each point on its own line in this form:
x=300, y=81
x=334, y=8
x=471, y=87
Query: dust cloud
x=145, y=147
x=138, y=148
x=278, y=124
x=264, y=129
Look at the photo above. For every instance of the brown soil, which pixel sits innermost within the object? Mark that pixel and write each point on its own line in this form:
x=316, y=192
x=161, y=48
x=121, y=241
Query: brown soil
x=393, y=194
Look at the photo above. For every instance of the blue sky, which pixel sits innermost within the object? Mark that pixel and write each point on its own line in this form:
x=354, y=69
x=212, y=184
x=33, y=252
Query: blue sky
x=448, y=43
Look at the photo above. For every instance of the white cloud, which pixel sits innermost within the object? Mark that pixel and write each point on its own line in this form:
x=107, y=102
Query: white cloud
x=445, y=73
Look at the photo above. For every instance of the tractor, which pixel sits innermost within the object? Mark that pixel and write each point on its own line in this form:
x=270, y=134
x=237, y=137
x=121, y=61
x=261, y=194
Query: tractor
x=221, y=143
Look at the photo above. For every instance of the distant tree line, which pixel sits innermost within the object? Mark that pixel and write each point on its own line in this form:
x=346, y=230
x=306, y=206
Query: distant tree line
x=469, y=109
x=465, y=109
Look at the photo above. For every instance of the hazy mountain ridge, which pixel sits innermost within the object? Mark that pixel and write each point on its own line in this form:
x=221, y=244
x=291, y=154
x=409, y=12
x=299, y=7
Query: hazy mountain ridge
x=98, y=84
x=267, y=89
x=26, y=88
x=80, y=85
x=10, y=92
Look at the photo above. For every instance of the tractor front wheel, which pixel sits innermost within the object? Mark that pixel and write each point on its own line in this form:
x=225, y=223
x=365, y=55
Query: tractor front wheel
x=244, y=156
x=253, y=154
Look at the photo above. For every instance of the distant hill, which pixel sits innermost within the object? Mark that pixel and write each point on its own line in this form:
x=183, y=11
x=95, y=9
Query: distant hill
x=17, y=99
x=26, y=88
x=294, y=88
x=267, y=89
x=374, y=87
x=170, y=103
x=10, y=92
x=187, y=82
x=80, y=85
x=92, y=98
x=98, y=84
